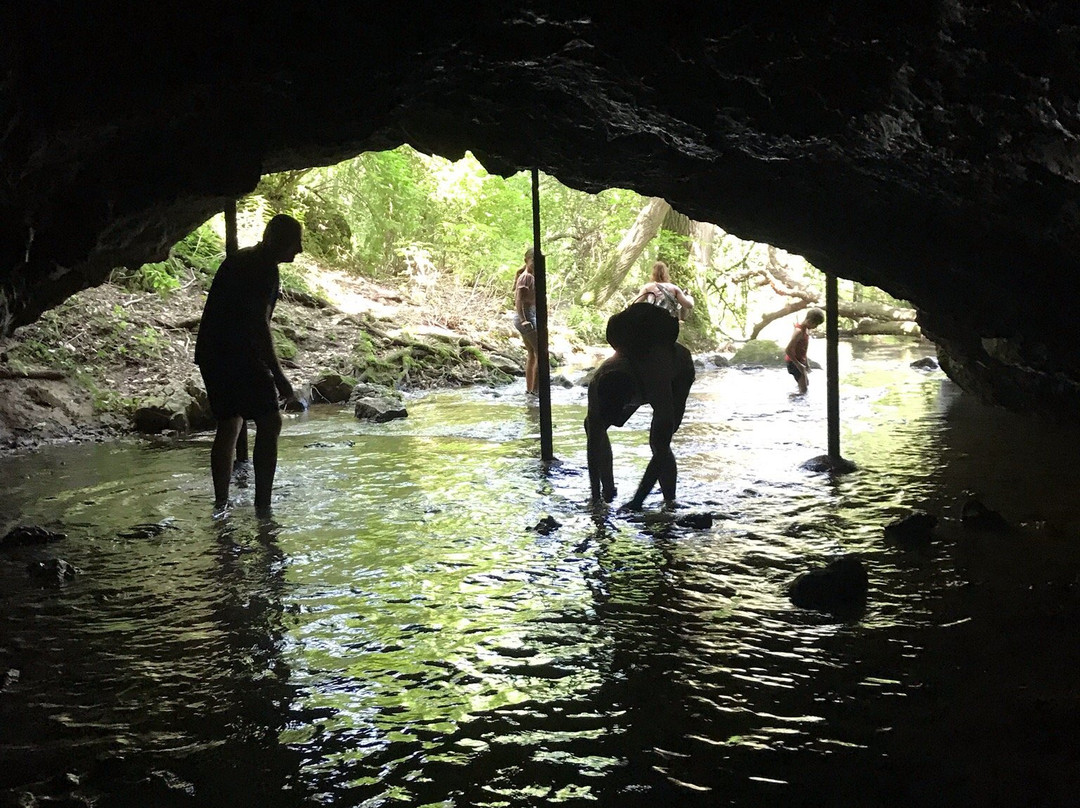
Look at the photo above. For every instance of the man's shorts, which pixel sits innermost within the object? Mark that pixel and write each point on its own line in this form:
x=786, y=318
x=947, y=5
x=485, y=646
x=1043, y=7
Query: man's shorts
x=246, y=389
x=795, y=370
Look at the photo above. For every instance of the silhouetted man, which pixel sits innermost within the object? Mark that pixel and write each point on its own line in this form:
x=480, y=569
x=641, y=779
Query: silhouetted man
x=235, y=353
x=649, y=367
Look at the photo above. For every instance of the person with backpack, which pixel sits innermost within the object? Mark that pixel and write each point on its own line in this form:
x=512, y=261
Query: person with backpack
x=660, y=291
x=649, y=367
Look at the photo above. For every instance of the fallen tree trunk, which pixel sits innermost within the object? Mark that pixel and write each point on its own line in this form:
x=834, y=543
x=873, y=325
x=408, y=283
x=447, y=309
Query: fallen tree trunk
x=50, y=375
x=860, y=311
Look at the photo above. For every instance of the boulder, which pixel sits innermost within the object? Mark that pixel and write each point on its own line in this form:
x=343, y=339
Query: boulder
x=372, y=402
x=914, y=529
x=332, y=388
x=52, y=569
x=24, y=535
x=838, y=588
x=182, y=407
x=380, y=409
x=759, y=352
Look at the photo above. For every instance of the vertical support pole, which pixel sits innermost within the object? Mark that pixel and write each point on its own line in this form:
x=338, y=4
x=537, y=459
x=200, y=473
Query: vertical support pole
x=544, y=365
x=832, y=338
x=231, y=243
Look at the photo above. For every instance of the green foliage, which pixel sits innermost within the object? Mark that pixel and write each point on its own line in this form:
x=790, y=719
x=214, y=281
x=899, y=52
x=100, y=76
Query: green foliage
x=417, y=218
x=588, y=323
x=199, y=252
x=759, y=352
x=292, y=280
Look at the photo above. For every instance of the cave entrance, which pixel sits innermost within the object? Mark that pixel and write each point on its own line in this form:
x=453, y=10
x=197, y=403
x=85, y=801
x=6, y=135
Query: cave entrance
x=452, y=235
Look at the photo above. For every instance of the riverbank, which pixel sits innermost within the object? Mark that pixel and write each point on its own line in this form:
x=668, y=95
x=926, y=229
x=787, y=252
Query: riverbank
x=84, y=369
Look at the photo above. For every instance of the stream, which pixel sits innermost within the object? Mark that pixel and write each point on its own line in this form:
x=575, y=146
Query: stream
x=399, y=634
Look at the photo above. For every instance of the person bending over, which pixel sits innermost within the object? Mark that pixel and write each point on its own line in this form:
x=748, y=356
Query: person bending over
x=649, y=367
x=235, y=354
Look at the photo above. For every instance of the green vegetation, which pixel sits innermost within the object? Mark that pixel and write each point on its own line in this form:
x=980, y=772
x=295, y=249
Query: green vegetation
x=424, y=222
x=196, y=255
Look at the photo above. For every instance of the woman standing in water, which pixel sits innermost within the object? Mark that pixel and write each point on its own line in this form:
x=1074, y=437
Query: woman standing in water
x=525, y=318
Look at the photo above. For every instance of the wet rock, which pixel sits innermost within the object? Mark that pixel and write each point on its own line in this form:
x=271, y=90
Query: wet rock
x=698, y=521
x=926, y=363
x=332, y=388
x=586, y=377
x=719, y=360
x=380, y=408
x=319, y=444
x=53, y=569
x=915, y=529
x=558, y=380
x=148, y=530
x=839, y=588
x=376, y=402
x=511, y=367
x=183, y=407
x=24, y=535
x=976, y=516
x=825, y=463
x=11, y=676
x=546, y=525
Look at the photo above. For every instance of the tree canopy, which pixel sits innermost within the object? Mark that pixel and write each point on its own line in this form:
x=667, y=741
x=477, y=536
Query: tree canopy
x=403, y=215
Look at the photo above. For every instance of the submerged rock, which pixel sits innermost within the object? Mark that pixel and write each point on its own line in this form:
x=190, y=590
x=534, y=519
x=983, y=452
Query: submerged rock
x=976, y=516
x=916, y=528
x=55, y=569
x=926, y=363
x=546, y=525
x=698, y=521
x=24, y=535
x=838, y=588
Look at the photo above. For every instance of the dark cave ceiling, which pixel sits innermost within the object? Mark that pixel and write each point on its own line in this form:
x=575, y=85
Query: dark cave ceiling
x=929, y=148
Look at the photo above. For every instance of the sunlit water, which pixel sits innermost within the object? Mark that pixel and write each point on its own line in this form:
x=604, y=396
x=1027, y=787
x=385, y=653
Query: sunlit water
x=399, y=635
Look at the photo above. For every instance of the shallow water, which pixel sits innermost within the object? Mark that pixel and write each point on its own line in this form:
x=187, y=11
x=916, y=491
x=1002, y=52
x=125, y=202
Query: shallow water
x=398, y=635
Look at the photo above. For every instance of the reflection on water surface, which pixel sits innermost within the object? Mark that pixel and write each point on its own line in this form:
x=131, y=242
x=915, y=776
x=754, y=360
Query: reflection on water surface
x=399, y=636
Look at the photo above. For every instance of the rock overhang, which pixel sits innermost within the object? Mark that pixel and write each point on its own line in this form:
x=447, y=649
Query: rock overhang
x=929, y=148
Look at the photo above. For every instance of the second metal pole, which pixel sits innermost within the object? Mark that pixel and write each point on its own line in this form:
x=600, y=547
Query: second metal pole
x=547, y=451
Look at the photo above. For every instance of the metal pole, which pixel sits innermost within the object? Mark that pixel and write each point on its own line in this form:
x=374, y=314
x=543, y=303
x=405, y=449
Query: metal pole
x=832, y=356
x=231, y=243
x=544, y=365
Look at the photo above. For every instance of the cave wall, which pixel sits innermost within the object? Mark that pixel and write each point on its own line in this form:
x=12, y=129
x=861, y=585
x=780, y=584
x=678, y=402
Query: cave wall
x=928, y=148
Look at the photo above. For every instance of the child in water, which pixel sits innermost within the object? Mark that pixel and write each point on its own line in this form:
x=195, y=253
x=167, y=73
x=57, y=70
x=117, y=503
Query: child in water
x=795, y=353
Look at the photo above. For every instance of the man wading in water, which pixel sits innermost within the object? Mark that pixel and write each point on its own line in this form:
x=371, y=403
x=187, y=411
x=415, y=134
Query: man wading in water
x=235, y=353
x=649, y=367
